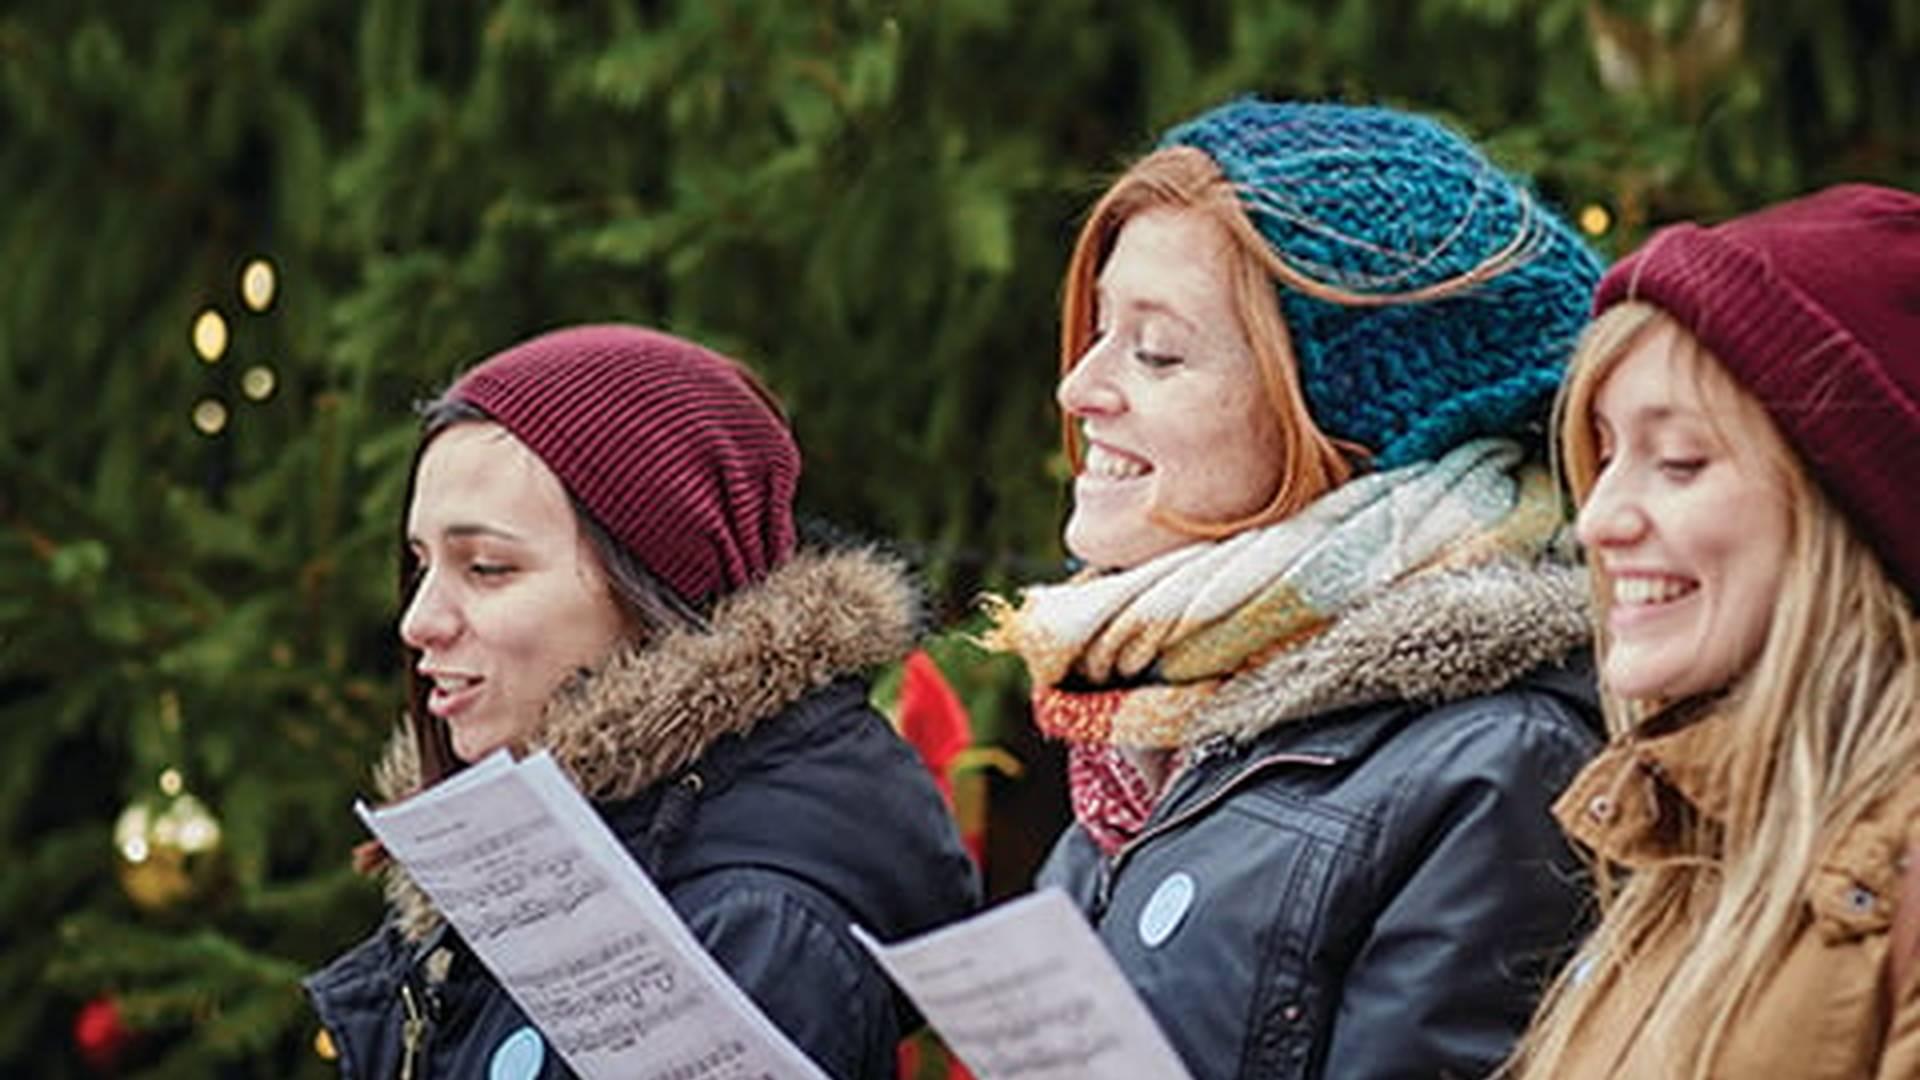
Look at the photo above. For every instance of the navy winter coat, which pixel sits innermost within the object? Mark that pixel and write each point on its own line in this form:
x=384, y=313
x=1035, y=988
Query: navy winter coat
x=798, y=824
x=1369, y=891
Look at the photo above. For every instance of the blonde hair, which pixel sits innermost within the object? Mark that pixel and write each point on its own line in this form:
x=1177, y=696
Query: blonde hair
x=1826, y=730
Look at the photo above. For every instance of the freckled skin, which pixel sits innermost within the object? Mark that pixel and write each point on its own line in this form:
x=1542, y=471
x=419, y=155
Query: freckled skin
x=1169, y=385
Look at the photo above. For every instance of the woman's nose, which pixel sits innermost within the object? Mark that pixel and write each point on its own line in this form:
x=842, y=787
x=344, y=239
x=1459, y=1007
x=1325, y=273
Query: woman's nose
x=1087, y=389
x=1610, y=516
x=429, y=619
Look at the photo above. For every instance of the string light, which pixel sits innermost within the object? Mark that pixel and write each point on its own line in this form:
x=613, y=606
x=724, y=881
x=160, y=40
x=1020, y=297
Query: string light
x=1595, y=220
x=258, y=383
x=210, y=416
x=257, y=284
x=130, y=833
x=210, y=336
x=170, y=782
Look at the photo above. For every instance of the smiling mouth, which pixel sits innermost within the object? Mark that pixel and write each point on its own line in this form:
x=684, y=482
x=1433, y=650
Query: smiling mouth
x=452, y=693
x=1647, y=592
x=1102, y=463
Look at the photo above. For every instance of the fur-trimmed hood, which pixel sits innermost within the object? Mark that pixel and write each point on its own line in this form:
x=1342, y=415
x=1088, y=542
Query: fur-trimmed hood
x=1433, y=638
x=649, y=712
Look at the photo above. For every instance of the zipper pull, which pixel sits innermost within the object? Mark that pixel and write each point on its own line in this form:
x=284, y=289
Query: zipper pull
x=1211, y=747
x=413, y=1031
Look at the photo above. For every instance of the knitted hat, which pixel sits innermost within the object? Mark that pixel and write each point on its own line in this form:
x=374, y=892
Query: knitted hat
x=665, y=443
x=1814, y=307
x=1379, y=202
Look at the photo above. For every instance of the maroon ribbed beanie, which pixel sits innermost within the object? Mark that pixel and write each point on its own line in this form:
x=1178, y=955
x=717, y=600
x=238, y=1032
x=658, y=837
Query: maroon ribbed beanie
x=665, y=442
x=1814, y=307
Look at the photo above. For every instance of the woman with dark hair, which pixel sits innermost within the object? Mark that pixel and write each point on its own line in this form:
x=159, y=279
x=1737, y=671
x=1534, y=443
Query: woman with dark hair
x=598, y=560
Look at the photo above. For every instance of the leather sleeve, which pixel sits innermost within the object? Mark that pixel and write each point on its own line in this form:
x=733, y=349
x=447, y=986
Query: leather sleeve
x=1480, y=891
x=787, y=946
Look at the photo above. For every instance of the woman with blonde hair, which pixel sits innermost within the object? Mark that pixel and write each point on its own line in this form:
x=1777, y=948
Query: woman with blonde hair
x=1741, y=429
x=1320, y=675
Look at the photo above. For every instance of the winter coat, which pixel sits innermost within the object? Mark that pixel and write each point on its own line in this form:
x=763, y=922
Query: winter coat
x=1355, y=875
x=745, y=772
x=1821, y=1014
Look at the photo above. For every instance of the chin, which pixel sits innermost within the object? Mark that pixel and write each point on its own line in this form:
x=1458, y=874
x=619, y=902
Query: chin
x=1121, y=549
x=474, y=749
x=1662, y=687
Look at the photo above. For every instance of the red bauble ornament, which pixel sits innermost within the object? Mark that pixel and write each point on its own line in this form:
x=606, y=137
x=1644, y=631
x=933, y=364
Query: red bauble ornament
x=100, y=1035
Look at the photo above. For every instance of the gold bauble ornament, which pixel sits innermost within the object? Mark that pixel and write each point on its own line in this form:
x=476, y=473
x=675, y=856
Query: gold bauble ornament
x=169, y=850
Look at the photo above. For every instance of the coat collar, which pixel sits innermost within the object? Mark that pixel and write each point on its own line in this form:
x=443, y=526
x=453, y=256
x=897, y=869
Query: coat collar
x=653, y=711
x=1435, y=637
x=649, y=712
x=1627, y=803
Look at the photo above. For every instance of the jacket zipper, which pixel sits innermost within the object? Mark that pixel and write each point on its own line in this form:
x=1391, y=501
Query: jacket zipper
x=1103, y=895
x=413, y=1030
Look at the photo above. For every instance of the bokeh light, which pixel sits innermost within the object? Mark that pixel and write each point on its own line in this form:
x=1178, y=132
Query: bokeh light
x=257, y=284
x=210, y=416
x=210, y=336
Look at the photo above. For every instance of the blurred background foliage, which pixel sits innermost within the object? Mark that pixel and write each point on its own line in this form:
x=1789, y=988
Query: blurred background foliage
x=869, y=201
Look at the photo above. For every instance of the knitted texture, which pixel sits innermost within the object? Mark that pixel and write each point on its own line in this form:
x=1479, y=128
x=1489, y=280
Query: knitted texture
x=664, y=442
x=1129, y=657
x=1814, y=307
x=1132, y=659
x=1378, y=202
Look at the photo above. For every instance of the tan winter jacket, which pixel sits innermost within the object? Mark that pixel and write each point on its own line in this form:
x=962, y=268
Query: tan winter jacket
x=1823, y=1014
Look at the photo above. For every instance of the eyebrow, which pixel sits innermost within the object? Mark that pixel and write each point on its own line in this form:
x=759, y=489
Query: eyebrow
x=467, y=530
x=1649, y=414
x=1158, y=307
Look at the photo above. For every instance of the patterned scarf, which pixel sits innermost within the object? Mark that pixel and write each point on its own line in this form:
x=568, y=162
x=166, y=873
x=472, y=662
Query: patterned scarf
x=1121, y=662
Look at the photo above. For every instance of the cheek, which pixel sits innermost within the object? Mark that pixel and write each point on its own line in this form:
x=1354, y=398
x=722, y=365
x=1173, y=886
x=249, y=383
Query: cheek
x=1754, y=586
x=1233, y=455
x=546, y=639
x=592, y=628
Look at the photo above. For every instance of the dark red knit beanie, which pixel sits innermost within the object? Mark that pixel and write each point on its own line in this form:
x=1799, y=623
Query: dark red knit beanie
x=667, y=443
x=1814, y=307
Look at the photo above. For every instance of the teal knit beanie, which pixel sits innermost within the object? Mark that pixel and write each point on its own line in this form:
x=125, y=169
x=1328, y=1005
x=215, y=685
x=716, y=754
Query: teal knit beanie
x=1376, y=201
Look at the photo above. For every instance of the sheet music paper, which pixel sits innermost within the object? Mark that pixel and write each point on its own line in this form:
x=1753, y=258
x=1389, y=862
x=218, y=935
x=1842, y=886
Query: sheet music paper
x=1027, y=992
x=563, y=917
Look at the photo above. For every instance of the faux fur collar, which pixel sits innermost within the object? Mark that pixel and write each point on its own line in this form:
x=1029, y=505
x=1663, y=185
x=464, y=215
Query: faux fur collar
x=653, y=711
x=1436, y=637
x=649, y=712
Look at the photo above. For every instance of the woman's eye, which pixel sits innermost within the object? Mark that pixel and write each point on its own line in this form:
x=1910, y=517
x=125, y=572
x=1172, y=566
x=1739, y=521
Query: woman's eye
x=489, y=570
x=1156, y=360
x=1682, y=468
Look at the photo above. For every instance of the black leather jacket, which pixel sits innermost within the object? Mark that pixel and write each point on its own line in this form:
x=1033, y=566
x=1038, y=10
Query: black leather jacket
x=1380, y=892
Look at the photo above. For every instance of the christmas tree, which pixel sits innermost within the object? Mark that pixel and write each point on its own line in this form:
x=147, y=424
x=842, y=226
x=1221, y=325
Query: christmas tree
x=243, y=238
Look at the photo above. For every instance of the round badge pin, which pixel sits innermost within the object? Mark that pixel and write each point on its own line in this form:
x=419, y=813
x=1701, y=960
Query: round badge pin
x=1166, y=908
x=518, y=1057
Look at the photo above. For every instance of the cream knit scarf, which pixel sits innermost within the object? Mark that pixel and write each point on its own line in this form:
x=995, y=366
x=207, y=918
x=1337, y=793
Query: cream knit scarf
x=1125, y=660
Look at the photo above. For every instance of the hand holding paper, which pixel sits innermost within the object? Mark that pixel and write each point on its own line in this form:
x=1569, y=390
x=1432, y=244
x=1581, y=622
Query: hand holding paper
x=550, y=901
